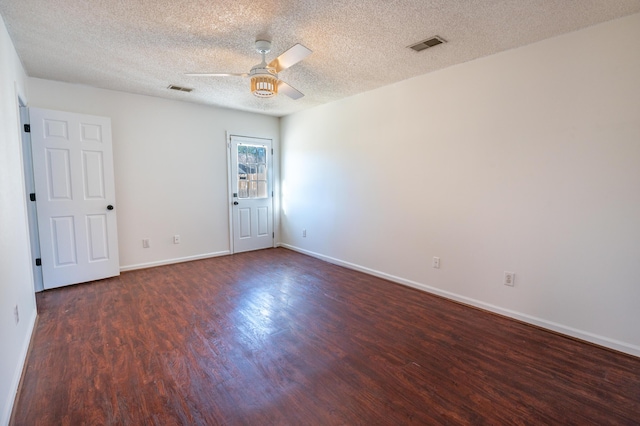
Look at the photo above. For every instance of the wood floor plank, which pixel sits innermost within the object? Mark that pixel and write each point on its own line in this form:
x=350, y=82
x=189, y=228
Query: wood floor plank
x=274, y=337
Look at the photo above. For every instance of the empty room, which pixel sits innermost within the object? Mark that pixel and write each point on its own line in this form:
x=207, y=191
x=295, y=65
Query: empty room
x=337, y=212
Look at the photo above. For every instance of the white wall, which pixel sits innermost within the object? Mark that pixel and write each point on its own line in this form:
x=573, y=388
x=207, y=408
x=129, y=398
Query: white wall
x=16, y=277
x=525, y=161
x=170, y=161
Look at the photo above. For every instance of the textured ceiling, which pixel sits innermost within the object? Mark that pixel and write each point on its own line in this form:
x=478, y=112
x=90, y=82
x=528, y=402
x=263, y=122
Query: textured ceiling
x=142, y=46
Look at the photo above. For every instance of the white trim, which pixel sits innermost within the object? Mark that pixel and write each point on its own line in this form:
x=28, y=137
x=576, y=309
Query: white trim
x=229, y=191
x=172, y=261
x=558, y=328
x=17, y=374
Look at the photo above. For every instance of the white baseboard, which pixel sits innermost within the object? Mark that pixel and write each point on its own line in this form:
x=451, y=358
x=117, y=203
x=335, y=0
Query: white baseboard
x=172, y=261
x=550, y=325
x=17, y=374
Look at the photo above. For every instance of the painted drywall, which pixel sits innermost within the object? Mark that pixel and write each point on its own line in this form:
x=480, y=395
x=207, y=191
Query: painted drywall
x=525, y=161
x=16, y=277
x=170, y=161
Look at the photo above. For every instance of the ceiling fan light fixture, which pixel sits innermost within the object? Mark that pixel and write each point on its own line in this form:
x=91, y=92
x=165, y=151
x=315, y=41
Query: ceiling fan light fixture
x=264, y=85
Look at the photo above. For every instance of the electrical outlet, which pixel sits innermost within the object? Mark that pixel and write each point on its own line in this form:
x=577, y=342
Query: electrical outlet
x=304, y=233
x=176, y=239
x=16, y=314
x=509, y=278
x=146, y=243
x=436, y=263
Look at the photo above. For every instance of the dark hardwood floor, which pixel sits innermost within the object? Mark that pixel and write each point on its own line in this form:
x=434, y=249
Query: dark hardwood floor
x=274, y=337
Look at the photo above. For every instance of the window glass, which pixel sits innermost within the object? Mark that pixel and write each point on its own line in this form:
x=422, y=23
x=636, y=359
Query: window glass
x=252, y=171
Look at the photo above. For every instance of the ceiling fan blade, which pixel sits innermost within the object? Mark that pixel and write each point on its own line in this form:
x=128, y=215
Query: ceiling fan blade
x=216, y=74
x=284, y=88
x=289, y=58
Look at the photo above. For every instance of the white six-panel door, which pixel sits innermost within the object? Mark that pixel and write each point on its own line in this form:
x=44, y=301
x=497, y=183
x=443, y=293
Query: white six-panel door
x=75, y=196
x=252, y=196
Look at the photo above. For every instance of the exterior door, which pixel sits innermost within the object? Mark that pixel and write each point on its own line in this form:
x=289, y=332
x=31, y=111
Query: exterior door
x=252, y=196
x=75, y=196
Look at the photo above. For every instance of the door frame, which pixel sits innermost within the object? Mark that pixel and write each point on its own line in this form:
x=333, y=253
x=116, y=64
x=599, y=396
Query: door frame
x=228, y=137
x=29, y=188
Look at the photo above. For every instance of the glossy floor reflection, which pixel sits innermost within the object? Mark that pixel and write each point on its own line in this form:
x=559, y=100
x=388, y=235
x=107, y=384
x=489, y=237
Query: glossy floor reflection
x=276, y=337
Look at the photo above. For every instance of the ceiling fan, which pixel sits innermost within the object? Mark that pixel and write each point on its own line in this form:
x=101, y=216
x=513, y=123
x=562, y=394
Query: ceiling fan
x=264, y=77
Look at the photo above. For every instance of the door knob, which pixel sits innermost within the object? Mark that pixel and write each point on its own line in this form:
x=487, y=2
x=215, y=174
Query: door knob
x=109, y=207
x=235, y=203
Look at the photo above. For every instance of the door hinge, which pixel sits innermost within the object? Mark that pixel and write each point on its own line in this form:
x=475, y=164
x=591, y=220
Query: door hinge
x=273, y=235
x=271, y=151
x=272, y=193
x=32, y=196
x=38, y=262
x=27, y=128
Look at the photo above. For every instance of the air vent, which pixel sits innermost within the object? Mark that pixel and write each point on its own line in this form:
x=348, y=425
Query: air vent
x=179, y=89
x=425, y=44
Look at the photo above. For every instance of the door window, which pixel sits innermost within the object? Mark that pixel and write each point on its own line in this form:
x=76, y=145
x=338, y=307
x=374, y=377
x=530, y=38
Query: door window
x=252, y=171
